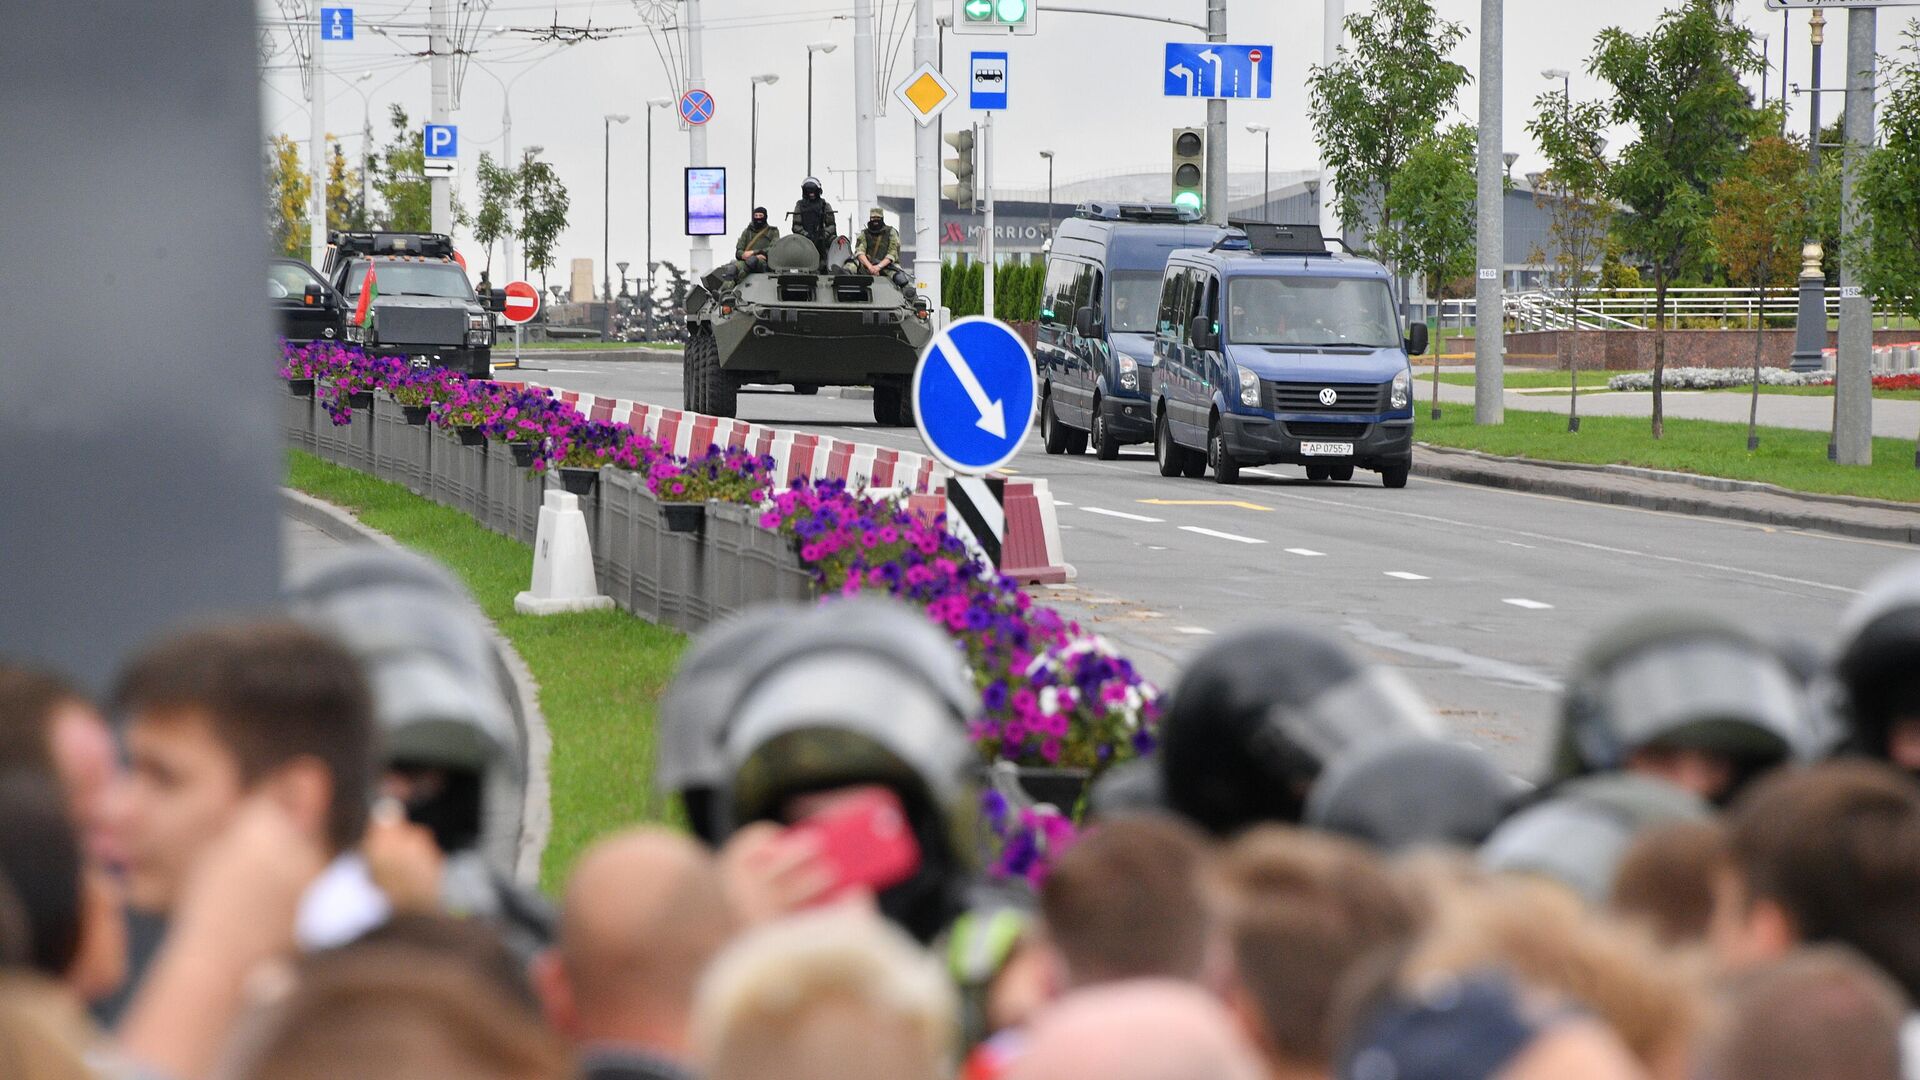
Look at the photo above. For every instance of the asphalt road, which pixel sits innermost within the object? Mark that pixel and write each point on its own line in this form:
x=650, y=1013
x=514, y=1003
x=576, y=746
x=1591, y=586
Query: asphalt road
x=1481, y=596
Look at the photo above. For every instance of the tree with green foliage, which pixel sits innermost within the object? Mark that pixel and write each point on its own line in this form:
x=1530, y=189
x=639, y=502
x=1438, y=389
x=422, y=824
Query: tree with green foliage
x=1759, y=218
x=1678, y=87
x=289, y=191
x=1433, y=198
x=498, y=191
x=399, y=175
x=344, y=210
x=1383, y=96
x=1573, y=193
x=1889, y=188
x=543, y=203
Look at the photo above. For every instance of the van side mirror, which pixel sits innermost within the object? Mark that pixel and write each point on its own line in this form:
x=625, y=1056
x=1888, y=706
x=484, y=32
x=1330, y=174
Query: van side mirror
x=315, y=294
x=1086, y=322
x=1200, y=333
x=1417, y=339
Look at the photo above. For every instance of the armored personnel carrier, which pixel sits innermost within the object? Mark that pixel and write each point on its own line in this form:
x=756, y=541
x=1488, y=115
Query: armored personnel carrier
x=800, y=323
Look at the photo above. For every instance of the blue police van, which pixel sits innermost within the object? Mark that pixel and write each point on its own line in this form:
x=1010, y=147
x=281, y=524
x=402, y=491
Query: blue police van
x=1097, y=319
x=1271, y=349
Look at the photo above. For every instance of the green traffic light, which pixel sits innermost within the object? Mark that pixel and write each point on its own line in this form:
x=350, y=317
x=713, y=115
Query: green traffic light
x=1011, y=11
x=978, y=10
x=1188, y=200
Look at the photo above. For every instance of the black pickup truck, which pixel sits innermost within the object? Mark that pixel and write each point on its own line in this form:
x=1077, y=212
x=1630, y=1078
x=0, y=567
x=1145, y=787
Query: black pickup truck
x=423, y=307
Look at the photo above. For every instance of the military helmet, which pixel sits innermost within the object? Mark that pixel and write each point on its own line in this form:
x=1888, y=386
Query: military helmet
x=1258, y=714
x=1681, y=680
x=1878, y=667
x=1579, y=835
x=865, y=691
x=811, y=185
x=1394, y=794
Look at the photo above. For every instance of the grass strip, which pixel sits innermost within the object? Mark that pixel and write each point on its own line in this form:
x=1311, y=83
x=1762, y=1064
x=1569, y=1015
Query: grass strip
x=1788, y=457
x=1597, y=380
x=600, y=672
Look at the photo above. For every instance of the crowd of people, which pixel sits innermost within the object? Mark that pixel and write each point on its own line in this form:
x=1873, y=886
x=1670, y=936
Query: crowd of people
x=284, y=848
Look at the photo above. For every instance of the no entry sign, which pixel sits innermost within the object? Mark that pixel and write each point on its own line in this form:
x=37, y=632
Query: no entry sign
x=522, y=302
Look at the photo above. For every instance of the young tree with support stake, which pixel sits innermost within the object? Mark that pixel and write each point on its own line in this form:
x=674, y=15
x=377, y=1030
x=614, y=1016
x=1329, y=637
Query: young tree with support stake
x=543, y=203
x=1579, y=214
x=1432, y=199
x=1383, y=97
x=1679, y=88
x=1760, y=214
x=498, y=190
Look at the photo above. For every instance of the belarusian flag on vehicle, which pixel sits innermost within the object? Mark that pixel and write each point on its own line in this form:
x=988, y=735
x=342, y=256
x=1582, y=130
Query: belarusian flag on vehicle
x=369, y=289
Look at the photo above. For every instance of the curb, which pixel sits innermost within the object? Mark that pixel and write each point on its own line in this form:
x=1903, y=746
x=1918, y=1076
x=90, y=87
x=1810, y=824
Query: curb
x=1601, y=484
x=536, y=808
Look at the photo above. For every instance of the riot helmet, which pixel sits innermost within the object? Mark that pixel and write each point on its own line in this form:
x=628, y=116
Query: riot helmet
x=1579, y=835
x=1687, y=697
x=1394, y=794
x=863, y=692
x=810, y=188
x=1260, y=713
x=1878, y=669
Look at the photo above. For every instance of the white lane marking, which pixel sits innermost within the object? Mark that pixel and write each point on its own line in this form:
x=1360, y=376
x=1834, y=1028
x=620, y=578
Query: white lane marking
x=1266, y=473
x=1217, y=534
x=1195, y=630
x=1406, y=576
x=1530, y=605
x=1308, y=552
x=1155, y=547
x=1123, y=515
x=1057, y=502
x=1518, y=544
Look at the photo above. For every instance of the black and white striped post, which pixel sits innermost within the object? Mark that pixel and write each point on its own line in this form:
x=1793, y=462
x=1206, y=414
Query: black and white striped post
x=977, y=514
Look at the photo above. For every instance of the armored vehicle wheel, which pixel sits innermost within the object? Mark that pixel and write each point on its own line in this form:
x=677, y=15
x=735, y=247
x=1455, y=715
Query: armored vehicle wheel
x=806, y=389
x=893, y=406
x=714, y=389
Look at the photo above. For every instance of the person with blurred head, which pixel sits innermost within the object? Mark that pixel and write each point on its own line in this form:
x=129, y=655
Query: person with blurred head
x=1400, y=794
x=645, y=913
x=1259, y=714
x=1302, y=911
x=1143, y=1029
x=1665, y=881
x=825, y=995
x=1685, y=698
x=265, y=708
x=1877, y=671
x=44, y=872
x=1130, y=900
x=1820, y=1013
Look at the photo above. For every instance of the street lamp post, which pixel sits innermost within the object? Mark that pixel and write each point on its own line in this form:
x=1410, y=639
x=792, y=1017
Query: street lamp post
x=652, y=104
x=1573, y=272
x=1810, y=323
x=753, y=139
x=1048, y=154
x=606, y=219
x=816, y=47
x=1266, y=169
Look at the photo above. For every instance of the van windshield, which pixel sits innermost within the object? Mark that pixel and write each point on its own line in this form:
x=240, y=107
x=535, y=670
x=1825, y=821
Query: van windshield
x=444, y=280
x=1311, y=311
x=1136, y=301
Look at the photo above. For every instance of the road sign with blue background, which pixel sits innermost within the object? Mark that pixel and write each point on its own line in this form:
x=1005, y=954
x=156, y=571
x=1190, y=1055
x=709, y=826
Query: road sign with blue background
x=441, y=141
x=336, y=24
x=696, y=107
x=974, y=394
x=1209, y=70
x=987, y=88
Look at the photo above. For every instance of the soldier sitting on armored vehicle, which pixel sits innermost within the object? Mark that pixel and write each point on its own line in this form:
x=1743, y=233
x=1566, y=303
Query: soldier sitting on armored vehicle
x=878, y=253
x=813, y=217
x=750, y=251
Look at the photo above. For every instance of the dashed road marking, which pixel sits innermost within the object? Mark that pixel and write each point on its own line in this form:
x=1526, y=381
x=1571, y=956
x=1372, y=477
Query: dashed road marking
x=1057, y=502
x=1308, y=552
x=1242, y=504
x=1518, y=544
x=1217, y=534
x=1404, y=575
x=1123, y=515
x=1530, y=605
x=1197, y=631
x=1155, y=547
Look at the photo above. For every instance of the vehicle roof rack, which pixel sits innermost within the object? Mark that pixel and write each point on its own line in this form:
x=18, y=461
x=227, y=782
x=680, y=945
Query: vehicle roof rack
x=1270, y=238
x=1162, y=213
x=392, y=243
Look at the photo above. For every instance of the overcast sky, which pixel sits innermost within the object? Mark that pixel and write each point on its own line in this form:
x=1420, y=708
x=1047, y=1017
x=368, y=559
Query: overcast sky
x=1087, y=88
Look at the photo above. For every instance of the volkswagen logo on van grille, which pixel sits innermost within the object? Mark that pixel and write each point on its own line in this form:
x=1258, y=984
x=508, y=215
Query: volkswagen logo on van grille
x=1328, y=395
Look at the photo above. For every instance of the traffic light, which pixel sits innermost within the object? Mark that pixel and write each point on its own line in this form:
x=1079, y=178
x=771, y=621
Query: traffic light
x=1190, y=169
x=961, y=166
x=1001, y=17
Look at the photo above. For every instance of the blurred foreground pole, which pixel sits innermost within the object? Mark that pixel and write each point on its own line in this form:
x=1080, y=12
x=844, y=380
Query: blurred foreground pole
x=138, y=429
x=1489, y=337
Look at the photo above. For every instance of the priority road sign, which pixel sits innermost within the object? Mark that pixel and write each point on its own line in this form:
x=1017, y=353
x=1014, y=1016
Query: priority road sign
x=696, y=107
x=988, y=85
x=1212, y=70
x=336, y=24
x=441, y=141
x=926, y=93
x=973, y=394
x=521, y=303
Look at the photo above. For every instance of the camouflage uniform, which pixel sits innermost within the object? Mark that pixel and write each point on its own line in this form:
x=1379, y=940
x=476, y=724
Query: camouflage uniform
x=756, y=239
x=813, y=219
x=879, y=247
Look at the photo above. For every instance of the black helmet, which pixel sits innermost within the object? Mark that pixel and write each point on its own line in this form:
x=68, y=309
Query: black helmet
x=1404, y=793
x=1681, y=680
x=865, y=691
x=810, y=186
x=1129, y=787
x=1878, y=668
x=1260, y=713
x=693, y=712
x=1579, y=836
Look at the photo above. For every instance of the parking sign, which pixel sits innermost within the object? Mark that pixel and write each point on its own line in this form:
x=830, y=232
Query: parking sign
x=441, y=141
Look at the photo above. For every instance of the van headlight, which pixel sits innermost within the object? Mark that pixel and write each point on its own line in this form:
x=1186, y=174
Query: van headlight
x=479, y=330
x=1402, y=391
x=356, y=333
x=1129, y=373
x=1249, y=388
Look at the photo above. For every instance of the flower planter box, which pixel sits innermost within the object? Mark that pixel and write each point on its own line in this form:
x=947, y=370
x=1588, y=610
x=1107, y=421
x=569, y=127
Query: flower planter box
x=579, y=481
x=471, y=435
x=300, y=388
x=684, y=517
x=1062, y=787
x=360, y=399
x=522, y=452
x=416, y=415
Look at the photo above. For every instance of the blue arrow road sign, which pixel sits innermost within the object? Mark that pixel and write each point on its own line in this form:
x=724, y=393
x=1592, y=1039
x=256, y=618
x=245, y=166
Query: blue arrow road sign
x=336, y=23
x=441, y=141
x=1218, y=71
x=973, y=394
x=987, y=88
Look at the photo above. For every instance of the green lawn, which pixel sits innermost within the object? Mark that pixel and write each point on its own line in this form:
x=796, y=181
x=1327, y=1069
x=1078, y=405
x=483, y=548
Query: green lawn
x=600, y=673
x=1524, y=379
x=1790, y=458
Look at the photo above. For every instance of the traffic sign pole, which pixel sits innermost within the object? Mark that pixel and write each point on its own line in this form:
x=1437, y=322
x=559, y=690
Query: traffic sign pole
x=317, y=143
x=926, y=168
x=700, y=251
x=440, y=44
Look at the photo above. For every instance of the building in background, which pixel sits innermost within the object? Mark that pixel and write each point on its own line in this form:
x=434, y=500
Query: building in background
x=581, y=287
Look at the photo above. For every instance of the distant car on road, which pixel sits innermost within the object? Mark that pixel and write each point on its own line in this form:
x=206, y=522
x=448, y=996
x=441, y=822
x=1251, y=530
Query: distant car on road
x=307, y=309
x=423, y=307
